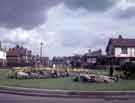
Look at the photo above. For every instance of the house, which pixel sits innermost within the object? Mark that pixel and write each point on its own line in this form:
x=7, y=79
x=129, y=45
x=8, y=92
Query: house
x=92, y=56
x=58, y=61
x=76, y=61
x=62, y=62
x=38, y=61
x=44, y=61
x=93, y=59
x=19, y=56
x=2, y=56
x=121, y=49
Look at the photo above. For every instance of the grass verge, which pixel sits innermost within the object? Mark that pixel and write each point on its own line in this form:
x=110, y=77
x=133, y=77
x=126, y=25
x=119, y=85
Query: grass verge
x=66, y=84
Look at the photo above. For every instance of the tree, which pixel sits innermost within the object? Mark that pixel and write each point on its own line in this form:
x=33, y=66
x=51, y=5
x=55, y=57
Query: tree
x=128, y=69
x=111, y=71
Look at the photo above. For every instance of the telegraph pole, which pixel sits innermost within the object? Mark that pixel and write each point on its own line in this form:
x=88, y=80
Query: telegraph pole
x=41, y=49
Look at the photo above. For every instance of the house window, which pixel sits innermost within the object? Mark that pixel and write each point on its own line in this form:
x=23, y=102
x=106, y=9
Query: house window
x=124, y=50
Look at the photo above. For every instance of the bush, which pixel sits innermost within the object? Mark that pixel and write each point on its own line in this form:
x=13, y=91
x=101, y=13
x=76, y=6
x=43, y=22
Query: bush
x=128, y=69
x=76, y=79
x=12, y=74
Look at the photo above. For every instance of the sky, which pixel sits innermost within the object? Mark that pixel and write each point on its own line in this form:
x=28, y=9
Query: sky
x=66, y=27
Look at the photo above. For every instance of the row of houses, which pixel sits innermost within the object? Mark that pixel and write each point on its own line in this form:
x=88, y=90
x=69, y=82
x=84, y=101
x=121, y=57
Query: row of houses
x=118, y=50
x=20, y=56
x=87, y=60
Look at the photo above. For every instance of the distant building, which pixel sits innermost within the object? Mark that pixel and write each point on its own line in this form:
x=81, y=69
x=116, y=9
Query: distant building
x=2, y=56
x=19, y=56
x=87, y=60
x=121, y=48
x=38, y=61
x=76, y=61
x=91, y=57
x=44, y=61
x=61, y=62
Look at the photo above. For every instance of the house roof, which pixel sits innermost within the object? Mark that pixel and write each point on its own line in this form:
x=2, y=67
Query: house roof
x=16, y=52
x=94, y=53
x=20, y=51
x=121, y=42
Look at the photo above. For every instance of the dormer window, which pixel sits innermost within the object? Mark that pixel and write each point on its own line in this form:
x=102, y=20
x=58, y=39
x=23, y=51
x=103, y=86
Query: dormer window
x=124, y=50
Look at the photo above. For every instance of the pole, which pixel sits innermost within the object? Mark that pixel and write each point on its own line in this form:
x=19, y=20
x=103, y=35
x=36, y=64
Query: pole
x=41, y=48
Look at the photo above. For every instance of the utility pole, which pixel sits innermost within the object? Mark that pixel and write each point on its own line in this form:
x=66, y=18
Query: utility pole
x=41, y=49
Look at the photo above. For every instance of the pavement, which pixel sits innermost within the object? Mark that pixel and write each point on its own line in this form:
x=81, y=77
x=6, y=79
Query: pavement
x=12, y=98
x=109, y=95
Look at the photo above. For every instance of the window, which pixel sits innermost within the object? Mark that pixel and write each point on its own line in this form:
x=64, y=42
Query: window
x=124, y=50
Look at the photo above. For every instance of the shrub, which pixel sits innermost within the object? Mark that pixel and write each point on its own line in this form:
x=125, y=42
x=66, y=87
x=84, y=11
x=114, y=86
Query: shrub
x=12, y=74
x=128, y=69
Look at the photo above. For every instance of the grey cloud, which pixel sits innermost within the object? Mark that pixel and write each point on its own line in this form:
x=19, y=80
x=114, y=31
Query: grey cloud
x=8, y=40
x=31, y=13
x=81, y=39
x=92, y=5
x=24, y=13
x=126, y=14
x=71, y=39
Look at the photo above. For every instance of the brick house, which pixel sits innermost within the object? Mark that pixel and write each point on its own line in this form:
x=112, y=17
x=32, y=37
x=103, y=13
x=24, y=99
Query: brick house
x=19, y=56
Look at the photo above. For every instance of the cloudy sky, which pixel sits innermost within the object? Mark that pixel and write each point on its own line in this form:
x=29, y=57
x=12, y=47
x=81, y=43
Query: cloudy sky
x=65, y=27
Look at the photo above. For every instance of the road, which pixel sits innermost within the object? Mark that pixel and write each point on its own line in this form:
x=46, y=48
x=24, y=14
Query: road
x=9, y=98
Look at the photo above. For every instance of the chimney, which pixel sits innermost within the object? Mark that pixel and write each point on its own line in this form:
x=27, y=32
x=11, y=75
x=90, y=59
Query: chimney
x=89, y=51
x=17, y=46
x=10, y=49
x=120, y=37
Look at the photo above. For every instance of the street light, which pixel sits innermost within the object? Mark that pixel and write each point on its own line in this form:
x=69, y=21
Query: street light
x=41, y=49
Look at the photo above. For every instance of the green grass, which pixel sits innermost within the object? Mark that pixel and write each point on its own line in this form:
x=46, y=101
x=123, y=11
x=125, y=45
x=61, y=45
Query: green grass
x=3, y=73
x=65, y=83
x=102, y=72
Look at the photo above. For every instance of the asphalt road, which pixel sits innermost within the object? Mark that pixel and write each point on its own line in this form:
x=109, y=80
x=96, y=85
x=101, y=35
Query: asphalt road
x=9, y=98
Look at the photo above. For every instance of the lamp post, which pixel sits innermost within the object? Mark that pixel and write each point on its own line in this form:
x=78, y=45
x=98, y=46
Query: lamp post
x=41, y=49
